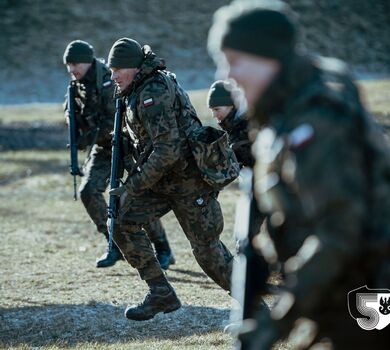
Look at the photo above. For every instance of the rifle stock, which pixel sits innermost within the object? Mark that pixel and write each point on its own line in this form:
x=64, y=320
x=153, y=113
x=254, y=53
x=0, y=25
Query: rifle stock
x=250, y=270
x=116, y=173
x=73, y=135
x=241, y=230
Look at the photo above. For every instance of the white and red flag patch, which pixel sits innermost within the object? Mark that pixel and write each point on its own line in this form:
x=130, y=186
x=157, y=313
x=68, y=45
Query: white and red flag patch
x=148, y=102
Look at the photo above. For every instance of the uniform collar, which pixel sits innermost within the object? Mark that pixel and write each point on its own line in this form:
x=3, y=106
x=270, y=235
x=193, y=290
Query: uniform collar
x=90, y=76
x=149, y=66
x=228, y=122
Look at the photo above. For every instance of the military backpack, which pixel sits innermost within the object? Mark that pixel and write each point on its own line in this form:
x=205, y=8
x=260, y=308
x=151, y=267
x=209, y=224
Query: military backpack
x=210, y=147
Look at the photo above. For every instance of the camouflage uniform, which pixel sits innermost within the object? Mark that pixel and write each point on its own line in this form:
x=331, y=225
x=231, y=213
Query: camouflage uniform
x=313, y=175
x=168, y=180
x=96, y=119
x=236, y=125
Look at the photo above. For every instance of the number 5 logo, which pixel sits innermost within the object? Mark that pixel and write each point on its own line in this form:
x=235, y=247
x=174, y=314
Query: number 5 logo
x=370, y=307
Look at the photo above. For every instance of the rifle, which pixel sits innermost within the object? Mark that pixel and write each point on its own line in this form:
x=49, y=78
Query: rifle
x=241, y=231
x=250, y=270
x=73, y=136
x=116, y=168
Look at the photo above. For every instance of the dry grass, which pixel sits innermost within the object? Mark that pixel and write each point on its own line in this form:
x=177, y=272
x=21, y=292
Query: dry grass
x=32, y=113
x=52, y=296
x=376, y=94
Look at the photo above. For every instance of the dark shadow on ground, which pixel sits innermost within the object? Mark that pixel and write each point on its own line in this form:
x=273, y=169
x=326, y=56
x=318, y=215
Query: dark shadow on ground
x=189, y=272
x=34, y=167
x=68, y=325
x=208, y=284
x=40, y=136
x=200, y=279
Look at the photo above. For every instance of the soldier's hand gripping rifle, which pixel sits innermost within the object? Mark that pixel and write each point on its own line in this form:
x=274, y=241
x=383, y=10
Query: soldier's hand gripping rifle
x=73, y=136
x=116, y=169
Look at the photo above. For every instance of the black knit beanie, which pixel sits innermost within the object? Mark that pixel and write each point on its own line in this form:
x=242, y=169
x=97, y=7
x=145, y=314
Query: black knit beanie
x=263, y=30
x=78, y=51
x=125, y=53
x=220, y=94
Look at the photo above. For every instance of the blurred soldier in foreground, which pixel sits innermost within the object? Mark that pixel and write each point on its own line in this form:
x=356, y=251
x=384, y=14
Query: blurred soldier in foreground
x=321, y=177
x=159, y=119
x=223, y=99
x=95, y=119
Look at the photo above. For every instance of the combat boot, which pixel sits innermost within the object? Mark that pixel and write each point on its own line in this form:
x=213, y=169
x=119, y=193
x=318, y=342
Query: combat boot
x=165, y=258
x=110, y=257
x=160, y=298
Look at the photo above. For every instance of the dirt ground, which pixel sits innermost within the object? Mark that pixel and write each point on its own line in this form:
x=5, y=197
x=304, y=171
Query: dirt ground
x=35, y=33
x=52, y=296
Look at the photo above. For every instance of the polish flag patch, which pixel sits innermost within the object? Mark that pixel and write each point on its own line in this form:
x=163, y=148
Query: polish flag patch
x=301, y=136
x=148, y=102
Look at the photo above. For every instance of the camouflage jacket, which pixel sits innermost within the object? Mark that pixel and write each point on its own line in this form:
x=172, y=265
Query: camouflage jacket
x=320, y=177
x=95, y=107
x=157, y=129
x=237, y=127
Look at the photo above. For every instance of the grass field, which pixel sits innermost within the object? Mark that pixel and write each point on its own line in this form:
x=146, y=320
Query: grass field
x=376, y=94
x=52, y=296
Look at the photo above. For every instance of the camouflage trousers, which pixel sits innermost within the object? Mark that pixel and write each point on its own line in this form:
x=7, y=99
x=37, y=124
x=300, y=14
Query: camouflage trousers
x=97, y=169
x=201, y=220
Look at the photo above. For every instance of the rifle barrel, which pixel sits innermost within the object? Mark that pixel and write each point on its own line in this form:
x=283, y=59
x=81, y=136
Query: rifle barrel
x=114, y=201
x=73, y=132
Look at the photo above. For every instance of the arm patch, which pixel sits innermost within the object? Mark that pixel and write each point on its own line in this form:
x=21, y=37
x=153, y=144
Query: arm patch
x=148, y=102
x=107, y=83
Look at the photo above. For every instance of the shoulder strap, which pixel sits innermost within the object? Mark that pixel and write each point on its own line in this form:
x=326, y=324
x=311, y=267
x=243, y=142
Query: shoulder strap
x=171, y=86
x=175, y=91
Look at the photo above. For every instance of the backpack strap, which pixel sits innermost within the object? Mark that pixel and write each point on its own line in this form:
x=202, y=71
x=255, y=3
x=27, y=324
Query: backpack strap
x=176, y=91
